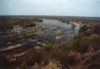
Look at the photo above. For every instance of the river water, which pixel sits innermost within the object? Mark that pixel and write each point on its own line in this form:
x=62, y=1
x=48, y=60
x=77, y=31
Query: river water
x=55, y=30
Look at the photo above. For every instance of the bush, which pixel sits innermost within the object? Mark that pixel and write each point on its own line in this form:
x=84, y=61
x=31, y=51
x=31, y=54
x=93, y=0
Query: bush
x=94, y=38
x=80, y=44
x=47, y=47
x=83, y=29
x=67, y=58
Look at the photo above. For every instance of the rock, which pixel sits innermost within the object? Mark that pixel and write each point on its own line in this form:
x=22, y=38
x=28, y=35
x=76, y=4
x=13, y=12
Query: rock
x=58, y=31
x=59, y=37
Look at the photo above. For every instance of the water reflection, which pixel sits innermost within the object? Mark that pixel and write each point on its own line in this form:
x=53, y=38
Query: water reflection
x=56, y=30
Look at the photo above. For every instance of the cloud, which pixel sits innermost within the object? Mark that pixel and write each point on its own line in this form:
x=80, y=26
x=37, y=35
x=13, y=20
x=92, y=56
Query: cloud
x=50, y=7
x=33, y=1
x=43, y=1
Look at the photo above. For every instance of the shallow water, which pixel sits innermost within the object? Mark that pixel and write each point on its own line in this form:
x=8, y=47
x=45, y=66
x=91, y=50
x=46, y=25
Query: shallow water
x=56, y=30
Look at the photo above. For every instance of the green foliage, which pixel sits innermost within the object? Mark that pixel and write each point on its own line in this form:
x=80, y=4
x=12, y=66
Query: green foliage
x=80, y=44
x=84, y=30
x=76, y=37
x=65, y=46
x=94, y=38
x=47, y=47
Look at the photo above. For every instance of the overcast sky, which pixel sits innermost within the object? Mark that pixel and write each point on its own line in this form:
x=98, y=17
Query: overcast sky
x=50, y=7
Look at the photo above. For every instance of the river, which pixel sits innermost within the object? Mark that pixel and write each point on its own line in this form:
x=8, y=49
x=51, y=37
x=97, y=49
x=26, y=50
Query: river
x=51, y=30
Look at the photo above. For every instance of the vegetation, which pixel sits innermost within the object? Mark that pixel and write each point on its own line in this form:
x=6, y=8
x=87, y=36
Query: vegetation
x=47, y=47
x=82, y=49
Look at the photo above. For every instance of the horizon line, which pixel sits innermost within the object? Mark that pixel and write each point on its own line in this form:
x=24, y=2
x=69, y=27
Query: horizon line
x=51, y=15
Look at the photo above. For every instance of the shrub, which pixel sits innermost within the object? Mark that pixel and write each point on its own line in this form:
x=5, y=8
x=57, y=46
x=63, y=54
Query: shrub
x=94, y=38
x=83, y=29
x=80, y=44
x=47, y=47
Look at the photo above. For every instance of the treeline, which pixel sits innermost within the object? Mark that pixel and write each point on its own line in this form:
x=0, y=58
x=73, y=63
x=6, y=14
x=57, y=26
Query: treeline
x=7, y=23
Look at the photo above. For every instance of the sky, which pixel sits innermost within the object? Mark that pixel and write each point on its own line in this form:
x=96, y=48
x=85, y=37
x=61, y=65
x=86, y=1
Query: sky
x=90, y=8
